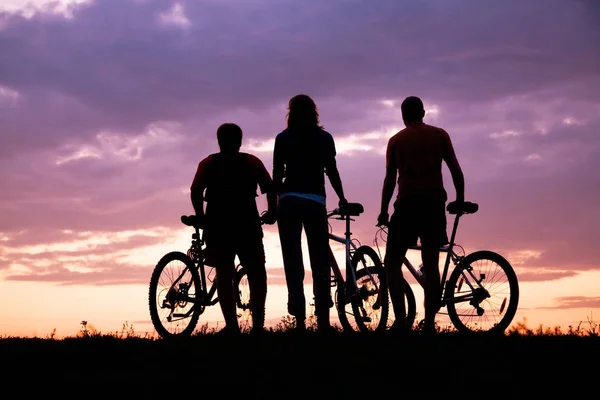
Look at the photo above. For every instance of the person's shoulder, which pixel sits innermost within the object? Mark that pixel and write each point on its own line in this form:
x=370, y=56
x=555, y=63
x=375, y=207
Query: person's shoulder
x=400, y=132
x=208, y=159
x=324, y=134
x=436, y=128
x=283, y=133
x=251, y=158
x=396, y=136
x=282, y=137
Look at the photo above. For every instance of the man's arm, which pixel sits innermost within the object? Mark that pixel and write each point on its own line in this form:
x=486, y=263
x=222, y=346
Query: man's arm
x=197, y=188
x=458, y=178
x=389, y=183
x=332, y=171
x=266, y=185
x=278, y=165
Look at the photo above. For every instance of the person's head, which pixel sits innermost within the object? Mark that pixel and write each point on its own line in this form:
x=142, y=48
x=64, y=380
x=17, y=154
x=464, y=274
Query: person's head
x=229, y=136
x=412, y=110
x=302, y=112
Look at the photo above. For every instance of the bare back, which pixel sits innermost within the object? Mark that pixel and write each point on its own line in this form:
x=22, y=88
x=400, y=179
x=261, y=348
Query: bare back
x=417, y=153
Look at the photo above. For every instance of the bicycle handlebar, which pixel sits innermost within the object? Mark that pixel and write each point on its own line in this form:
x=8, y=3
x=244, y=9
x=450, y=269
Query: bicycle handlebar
x=194, y=222
x=334, y=212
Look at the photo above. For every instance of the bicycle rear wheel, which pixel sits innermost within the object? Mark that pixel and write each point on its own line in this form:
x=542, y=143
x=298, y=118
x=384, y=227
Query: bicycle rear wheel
x=483, y=293
x=410, y=304
x=242, y=299
x=369, y=306
x=174, y=285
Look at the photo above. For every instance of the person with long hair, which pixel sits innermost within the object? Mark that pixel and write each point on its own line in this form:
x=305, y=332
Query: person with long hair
x=303, y=154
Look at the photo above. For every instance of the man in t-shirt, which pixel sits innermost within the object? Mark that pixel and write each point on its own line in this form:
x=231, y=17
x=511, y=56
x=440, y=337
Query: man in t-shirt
x=414, y=155
x=231, y=223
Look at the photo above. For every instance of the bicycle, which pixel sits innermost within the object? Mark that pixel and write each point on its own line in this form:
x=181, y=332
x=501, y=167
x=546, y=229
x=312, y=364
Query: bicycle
x=464, y=287
x=185, y=298
x=362, y=293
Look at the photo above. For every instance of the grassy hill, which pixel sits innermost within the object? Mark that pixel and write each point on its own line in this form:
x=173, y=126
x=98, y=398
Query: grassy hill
x=283, y=364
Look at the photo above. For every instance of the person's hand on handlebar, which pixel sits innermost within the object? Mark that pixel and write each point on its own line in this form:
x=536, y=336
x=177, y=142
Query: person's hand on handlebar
x=200, y=221
x=383, y=219
x=269, y=217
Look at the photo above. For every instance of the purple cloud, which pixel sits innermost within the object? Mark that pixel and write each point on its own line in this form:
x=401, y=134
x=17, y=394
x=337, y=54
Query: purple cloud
x=115, y=66
x=105, y=115
x=575, y=302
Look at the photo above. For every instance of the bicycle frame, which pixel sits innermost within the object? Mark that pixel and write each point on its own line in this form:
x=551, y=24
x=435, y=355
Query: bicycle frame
x=205, y=297
x=450, y=256
x=349, y=248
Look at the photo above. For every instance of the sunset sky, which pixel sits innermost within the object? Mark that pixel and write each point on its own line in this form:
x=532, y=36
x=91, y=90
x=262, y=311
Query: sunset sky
x=107, y=106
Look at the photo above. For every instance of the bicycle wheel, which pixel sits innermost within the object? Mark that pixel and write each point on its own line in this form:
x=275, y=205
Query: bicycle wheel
x=242, y=299
x=173, y=287
x=483, y=293
x=369, y=307
x=410, y=304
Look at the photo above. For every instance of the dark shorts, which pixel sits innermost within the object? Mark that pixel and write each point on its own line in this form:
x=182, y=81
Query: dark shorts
x=222, y=246
x=418, y=217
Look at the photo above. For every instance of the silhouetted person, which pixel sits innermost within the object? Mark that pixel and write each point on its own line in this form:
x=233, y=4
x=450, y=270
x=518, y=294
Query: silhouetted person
x=303, y=154
x=232, y=224
x=414, y=155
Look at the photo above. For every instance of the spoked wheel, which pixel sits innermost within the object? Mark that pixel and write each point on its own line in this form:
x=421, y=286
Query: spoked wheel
x=483, y=293
x=368, y=308
x=410, y=304
x=173, y=288
x=242, y=299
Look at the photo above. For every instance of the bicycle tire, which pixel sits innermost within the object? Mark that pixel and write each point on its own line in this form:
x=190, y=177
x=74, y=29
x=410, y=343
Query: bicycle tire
x=507, y=311
x=153, y=296
x=410, y=304
x=362, y=278
x=240, y=298
x=243, y=298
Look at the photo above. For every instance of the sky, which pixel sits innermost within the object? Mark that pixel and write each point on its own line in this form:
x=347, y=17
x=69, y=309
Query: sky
x=107, y=106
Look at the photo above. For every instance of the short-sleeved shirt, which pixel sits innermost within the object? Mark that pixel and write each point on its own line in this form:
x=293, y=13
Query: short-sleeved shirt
x=417, y=152
x=303, y=157
x=231, y=181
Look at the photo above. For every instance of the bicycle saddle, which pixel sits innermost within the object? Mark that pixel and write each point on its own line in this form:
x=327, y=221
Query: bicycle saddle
x=190, y=220
x=352, y=209
x=466, y=207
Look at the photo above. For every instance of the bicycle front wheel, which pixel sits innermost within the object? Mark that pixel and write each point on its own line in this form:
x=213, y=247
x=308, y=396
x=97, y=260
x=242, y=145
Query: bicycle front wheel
x=174, y=287
x=242, y=299
x=482, y=293
x=368, y=307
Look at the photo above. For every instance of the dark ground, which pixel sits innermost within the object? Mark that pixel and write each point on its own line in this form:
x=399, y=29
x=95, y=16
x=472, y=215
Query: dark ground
x=287, y=365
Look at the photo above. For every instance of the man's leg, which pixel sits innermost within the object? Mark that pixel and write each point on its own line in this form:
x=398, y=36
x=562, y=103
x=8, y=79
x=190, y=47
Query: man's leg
x=225, y=272
x=317, y=239
x=401, y=234
x=289, y=224
x=258, y=296
x=430, y=256
x=252, y=257
x=394, y=258
x=433, y=235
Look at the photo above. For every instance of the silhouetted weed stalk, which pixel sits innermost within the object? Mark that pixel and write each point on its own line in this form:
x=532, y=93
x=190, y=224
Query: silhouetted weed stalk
x=587, y=328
